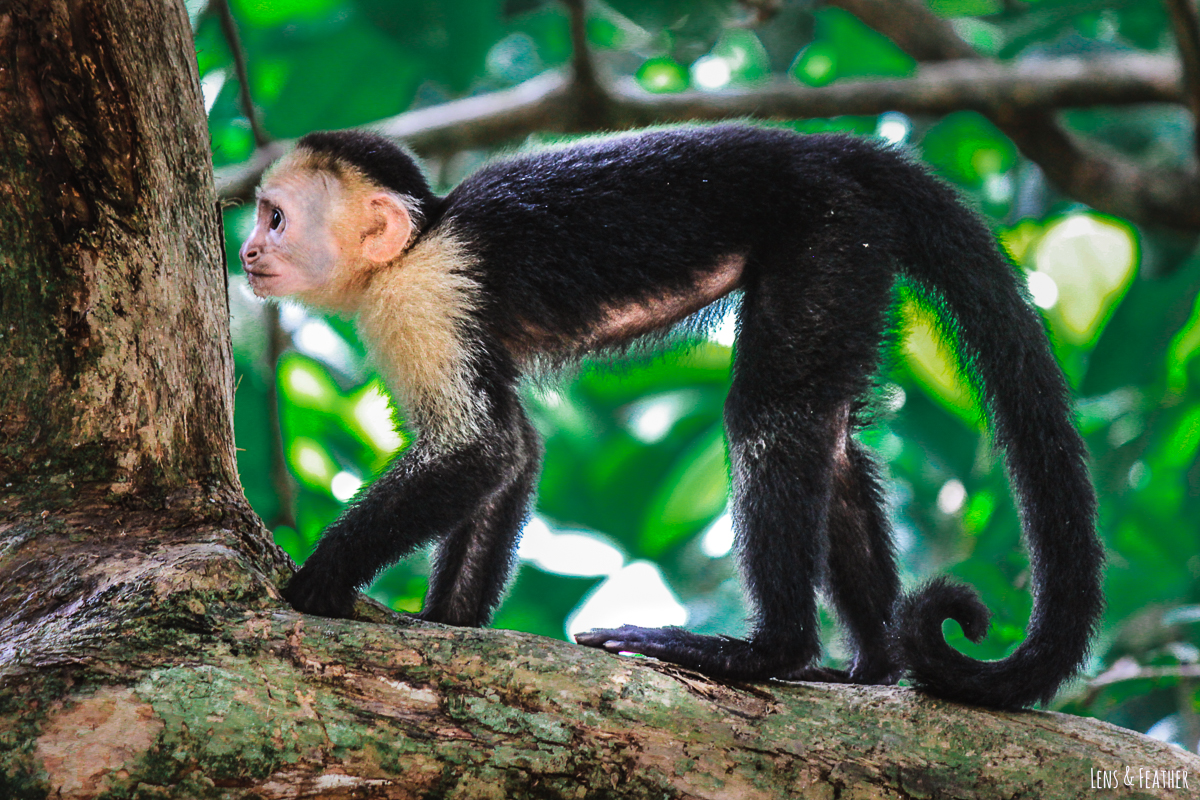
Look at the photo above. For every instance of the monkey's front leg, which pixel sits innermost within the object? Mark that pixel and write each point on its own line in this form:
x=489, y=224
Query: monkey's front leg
x=473, y=563
x=426, y=495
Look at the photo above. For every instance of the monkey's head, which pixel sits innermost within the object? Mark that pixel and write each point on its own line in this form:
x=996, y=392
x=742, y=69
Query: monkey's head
x=330, y=214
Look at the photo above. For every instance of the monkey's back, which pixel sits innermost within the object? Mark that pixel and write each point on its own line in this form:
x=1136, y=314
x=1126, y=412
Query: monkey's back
x=564, y=233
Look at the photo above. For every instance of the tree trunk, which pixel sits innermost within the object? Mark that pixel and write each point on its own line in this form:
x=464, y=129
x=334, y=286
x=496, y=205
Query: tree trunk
x=143, y=652
x=118, y=484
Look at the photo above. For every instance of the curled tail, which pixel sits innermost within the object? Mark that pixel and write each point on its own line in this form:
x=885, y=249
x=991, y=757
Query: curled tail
x=953, y=257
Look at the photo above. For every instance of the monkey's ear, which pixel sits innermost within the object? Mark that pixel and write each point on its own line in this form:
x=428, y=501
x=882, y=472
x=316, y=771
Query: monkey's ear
x=391, y=228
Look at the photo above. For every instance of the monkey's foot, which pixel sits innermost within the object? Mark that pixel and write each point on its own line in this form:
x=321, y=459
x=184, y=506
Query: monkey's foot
x=718, y=656
x=875, y=669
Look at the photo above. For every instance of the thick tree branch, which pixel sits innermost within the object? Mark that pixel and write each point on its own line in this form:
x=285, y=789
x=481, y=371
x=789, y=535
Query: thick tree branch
x=287, y=706
x=546, y=103
x=1089, y=172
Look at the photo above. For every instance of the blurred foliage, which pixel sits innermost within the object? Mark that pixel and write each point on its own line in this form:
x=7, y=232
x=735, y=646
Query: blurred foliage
x=635, y=462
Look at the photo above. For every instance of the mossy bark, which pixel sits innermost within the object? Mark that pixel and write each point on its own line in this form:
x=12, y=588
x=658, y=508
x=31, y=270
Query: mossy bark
x=143, y=649
x=270, y=704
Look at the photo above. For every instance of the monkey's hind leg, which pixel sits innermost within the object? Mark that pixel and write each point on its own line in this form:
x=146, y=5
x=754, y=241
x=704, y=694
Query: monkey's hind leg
x=862, y=579
x=781, y=476
x=808, y=343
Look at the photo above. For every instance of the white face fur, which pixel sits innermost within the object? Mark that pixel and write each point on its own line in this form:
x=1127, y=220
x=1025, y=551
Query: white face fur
x=318, y=238
x=292, y=249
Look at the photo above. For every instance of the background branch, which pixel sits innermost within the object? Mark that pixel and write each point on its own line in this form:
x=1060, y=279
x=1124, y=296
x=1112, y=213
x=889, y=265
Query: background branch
x=1089, y=172
x=588, y=93
x=912, y=26
x=1186, y=26
x=1127, y=669
x=936, y=89
x=1019, y=99
x=229, y=30
x=546, y=103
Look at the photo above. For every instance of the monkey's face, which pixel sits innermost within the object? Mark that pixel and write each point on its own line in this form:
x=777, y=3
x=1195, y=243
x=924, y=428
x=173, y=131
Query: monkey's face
x=320, y=236
x=292, y=249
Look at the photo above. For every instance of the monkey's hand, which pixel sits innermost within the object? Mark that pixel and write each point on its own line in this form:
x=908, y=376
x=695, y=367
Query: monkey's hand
x=310, y=592
x=718, y=656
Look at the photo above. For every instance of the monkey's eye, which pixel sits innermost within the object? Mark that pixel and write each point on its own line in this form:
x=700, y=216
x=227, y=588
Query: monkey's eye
x=276, y=219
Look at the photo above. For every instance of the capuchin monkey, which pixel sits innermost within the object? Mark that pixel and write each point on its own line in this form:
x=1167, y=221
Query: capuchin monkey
x=549, y=256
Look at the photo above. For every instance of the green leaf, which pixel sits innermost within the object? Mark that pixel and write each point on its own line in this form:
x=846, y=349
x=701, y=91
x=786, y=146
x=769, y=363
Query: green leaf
x=662, y=74
x=692, y=495
x=844, y=47
x=932, y=360
x=744, y=54
x=964, y=8
x=1092, y=260
x=352, y=76
x=968, y=148
x=817, y=64
x=445, y=42
x=1184, y=347
x=268, y=13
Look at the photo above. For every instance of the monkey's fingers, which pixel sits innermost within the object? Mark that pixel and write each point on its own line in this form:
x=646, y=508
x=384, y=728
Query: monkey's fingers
x=718, y=656
x=819, y=675
x=631, y=639
x=669, y=644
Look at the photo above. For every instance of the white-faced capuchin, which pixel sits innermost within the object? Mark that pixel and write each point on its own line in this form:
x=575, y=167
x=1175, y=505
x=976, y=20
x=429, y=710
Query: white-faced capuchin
x=552, y=255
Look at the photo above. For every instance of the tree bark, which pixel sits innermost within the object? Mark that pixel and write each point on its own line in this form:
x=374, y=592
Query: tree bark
x=143, y=650
x=271, y=704
x=118, y=483
x=110, y=276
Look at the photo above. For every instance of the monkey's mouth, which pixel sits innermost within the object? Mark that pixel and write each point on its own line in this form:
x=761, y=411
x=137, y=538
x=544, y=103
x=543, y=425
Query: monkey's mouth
x=259, y=280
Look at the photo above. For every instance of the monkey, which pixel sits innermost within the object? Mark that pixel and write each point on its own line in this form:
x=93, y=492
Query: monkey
x=551, y=255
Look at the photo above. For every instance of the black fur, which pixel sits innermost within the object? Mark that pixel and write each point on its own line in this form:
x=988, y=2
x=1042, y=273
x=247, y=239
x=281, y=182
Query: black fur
x=379, y=159
x=825, y=224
